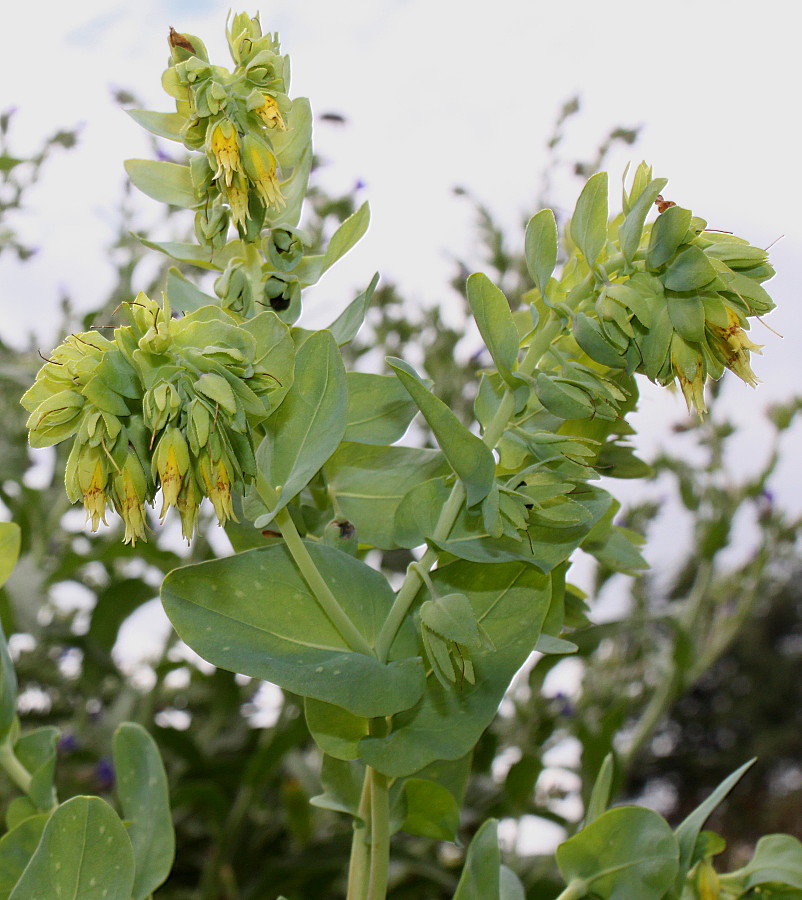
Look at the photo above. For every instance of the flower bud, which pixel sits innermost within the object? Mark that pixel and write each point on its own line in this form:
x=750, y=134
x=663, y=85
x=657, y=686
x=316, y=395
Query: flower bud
x=130, y=491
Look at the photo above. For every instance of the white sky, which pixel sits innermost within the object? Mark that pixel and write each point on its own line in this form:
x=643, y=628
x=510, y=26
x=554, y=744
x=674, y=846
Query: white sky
x=437, y=93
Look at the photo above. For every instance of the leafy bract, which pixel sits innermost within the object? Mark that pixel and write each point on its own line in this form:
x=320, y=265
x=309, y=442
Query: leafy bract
x=509, y=602
x=254, y=613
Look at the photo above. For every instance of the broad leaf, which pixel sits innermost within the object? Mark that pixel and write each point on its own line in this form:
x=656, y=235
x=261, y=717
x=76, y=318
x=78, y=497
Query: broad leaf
x=306, y=429
x=142, y=787
x=164, y=181
x=540, y=248
x=510, y=602
x=16, y=849
x=84, y=854
x=589, y=221
x=467, y=455
x=631, y=229
x=369, y=482
x=480, y=874
x=492, y=314
x=431, y=810
x=183, y=295
x=10, y=537
x=627, y=852
x=379, y=409
x=254, y=613
x=166, y=125
x=777, y=858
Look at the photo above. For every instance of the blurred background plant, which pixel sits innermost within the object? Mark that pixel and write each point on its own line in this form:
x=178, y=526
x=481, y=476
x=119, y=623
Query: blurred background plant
x=684, y=673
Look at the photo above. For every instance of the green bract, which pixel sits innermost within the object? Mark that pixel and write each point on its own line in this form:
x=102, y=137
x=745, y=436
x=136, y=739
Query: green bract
x=168, y=403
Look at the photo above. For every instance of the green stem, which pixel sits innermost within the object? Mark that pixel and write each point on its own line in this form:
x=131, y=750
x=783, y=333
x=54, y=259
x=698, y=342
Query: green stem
x=14, y=768
x=413, y=580
x=311, y=574
x=359, y=865
x=379, y=835
x=575, y=891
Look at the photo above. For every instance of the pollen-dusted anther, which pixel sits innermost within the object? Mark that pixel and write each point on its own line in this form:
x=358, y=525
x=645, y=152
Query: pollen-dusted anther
x=225, y=149
x=269, y=113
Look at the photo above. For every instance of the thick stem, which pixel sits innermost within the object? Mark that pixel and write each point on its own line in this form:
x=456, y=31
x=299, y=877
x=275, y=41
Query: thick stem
x=359, y=866
x=311, y=575
x=575, y=891
x=379, y=835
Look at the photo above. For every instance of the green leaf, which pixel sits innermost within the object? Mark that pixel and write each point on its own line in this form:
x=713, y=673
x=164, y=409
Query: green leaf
x=142, y=788
x=777, y=858
x=592, y=339
x=342, y=786
x=589, y=221
x=688, y=271
x=36, y=750
x=166, y=125
x=510, y=602
x=668, y=232
x=8, y=689
x=344, y=238
x=510, y=886
x=186, y=253
x=16, y=849
x=336, y=731
x=627, y=852
x=687, y=315
x=492, y=314
x=631, y=229
x=164, y=181
x=655, y=343
x=567, y=401
x=84, y=854
x=540, y=248
x=347, y=324
x=468, y=456
x=432, y=811
x=254, y=613
x=10, y=538
x=369, y=483
x=183, y=295
x=602, y=789
x=481, y=872
x=308, y=426
x=379, y=409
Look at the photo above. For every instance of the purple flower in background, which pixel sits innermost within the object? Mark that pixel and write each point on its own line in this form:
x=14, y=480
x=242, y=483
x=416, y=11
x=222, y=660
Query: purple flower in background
x=104, y=774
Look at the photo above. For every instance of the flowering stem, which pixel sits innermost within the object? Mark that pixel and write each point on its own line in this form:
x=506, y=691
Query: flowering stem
x=359, y=866
x=379, y=835
x=311, y=574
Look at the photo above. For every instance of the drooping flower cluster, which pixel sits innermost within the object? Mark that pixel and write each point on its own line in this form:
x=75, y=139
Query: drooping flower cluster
x=676, y=307
x=249, y=129
x=167, y=403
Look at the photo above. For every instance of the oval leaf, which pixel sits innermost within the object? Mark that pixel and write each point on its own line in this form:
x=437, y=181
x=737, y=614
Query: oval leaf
x=540, y=248
x=164, y=181
x=491, y=312
x=84, y=854
x=627, y=852
x=689, y=271
x=309, y=425
x=589, y=221
x=468, y=456
x=141, y=785
x=254, y=613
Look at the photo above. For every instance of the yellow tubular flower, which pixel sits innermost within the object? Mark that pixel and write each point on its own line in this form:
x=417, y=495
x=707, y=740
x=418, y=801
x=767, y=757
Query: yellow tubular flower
x=237, y=196
x=734, y=347
x=225, y=148
x=269, y=113
x=172, y=463
x=94, y=494
x=217, y=485
x=130, y=486
x=260, y=166
x=189, y=498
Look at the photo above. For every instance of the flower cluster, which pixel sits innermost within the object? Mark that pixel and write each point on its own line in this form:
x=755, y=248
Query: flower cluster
x=242, y=120
x=167, y=403
x=678, y=309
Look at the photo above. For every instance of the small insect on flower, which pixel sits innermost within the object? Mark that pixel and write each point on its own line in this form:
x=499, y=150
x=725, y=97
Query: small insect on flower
x=174, y=39
x=661, y=204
